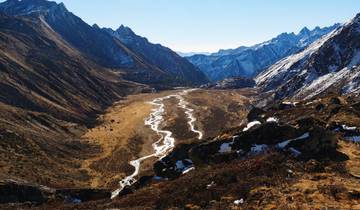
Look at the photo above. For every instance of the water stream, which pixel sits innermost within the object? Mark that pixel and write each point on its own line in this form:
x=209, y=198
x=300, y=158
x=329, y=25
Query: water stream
x=166, y=142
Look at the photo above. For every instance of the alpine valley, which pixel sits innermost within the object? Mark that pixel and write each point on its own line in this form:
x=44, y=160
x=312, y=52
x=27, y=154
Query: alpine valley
x=97, y=118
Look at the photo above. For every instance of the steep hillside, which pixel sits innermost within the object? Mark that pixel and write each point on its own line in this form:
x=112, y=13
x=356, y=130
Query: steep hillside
x=249, y=61
x=49, y=94
x=329, y=64
x=41, y=72
x=98, y=45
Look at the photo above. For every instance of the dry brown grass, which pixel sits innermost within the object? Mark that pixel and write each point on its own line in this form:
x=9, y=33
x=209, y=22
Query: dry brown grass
x=122, y=135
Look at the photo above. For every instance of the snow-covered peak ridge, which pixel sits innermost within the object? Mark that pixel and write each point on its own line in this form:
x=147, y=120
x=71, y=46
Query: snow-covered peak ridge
x=250, y=61
x=29, y=7
x=330, y=62
x=293, y=62
x=304, y=33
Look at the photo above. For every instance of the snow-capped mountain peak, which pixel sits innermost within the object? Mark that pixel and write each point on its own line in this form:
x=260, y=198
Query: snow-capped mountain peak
x=330, y=63
x=249, y=61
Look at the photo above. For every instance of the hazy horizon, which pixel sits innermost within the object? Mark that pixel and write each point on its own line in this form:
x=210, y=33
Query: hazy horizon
x=203, y=26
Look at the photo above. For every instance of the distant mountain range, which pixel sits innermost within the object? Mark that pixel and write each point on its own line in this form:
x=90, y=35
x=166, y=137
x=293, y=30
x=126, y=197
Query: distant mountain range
x=249, y=61
x=329, y=64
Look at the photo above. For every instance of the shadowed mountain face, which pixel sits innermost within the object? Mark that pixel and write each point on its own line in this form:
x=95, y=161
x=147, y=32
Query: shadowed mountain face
x=158, y=55
x=88, y=40
x=105, y=49
x=249, y=61
x=329, y=64
x=41, y=72
x=49, y=93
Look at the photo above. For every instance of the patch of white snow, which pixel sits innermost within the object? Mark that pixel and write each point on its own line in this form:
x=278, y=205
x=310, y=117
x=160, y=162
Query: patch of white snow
x=225, y=148
x=258, y=148
x=238, y=202
x=272, y=119
x=251, y=124
x=283, y=144
x=348, y=128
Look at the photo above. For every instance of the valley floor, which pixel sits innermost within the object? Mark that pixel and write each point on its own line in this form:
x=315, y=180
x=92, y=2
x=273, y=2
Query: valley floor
x=224, y=178
x=123, y=136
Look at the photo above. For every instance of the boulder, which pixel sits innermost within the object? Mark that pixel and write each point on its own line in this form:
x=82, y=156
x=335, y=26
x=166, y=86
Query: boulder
x=210, y=153
x=286, y=105
x=335, y=100
x=320, y=107
x=321, y=143
x=266, y=133
x=173, y=165
x=256, y=114
x=306, y=123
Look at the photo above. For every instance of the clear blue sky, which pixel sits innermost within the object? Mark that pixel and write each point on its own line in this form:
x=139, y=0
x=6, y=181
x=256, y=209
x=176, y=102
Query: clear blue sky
x=208, y=25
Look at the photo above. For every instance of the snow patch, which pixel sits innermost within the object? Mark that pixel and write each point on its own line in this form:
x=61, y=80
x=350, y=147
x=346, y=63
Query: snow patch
x=347, y=128
x=258, y=148
x=353, y=138
x=180, y=165
x=188, y=170
x=272, y=119
x=159, y=178
x=184, y=166
x=251, y=124
x=212, y=184
x=283, y=144
x=294, y=151
x=322, y=83
x=238, y=202
x=225, y=147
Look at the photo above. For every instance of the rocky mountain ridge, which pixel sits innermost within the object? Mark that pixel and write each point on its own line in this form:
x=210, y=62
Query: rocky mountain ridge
x=102, y=48
x=158, y=55
x=329, y=64
x=249, y=61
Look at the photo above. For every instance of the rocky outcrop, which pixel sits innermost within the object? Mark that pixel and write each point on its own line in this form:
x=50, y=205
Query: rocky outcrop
x=256, y=114
x=306, y=140
x=174, y=164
